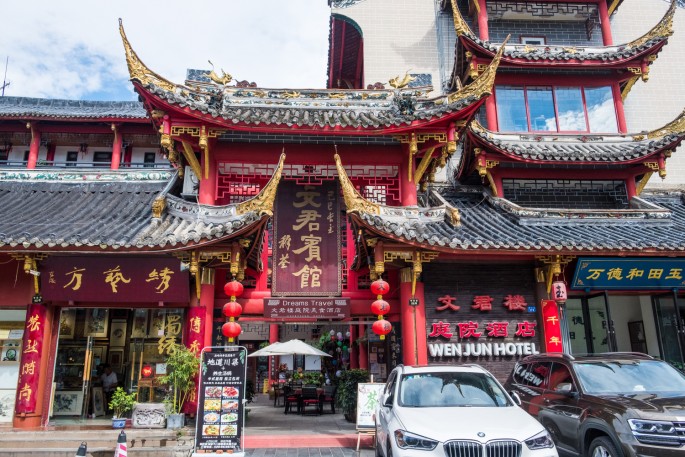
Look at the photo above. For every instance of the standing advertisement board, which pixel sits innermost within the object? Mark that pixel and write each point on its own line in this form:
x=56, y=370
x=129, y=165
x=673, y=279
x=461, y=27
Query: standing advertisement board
x=220, y=409
x=368, y=396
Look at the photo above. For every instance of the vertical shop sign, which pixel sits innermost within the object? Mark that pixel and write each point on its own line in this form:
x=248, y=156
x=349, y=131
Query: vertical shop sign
x=307, y=258
x=27, y=387
x=550, y=317
x=194, y=340
x=220, y=410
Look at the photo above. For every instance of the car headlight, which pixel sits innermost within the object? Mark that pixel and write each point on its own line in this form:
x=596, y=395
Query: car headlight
x=540, y=441
x=655, y=432
x=406, y=440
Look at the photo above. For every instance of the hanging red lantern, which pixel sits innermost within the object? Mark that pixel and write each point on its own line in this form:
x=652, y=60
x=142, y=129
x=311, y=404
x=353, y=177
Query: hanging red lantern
x=559, y=291
x=233, y=289
x=381, y=327
x=146, y=371
x=379, y=288
x=232, y=310
x=231, y=330
x=380, y=307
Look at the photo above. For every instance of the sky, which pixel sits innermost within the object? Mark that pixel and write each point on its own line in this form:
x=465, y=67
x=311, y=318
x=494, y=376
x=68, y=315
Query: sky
x=72, y=48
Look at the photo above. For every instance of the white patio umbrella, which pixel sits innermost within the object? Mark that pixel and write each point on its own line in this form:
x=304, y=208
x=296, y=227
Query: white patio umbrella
x=291, y=347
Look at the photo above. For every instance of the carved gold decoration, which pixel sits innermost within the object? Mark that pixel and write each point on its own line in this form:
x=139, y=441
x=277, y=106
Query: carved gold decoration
x=662, y=30
x=460, y=25
x=481, y=86
x=451, y=147
x=353, y=199
x=263, y=202
x=613, y=6
x=204, y=147
x=643, y=182
x=654, y=166
x=293, y=94
x=635, y=70
x=244, y=243
x=165, y=141
x=629, y=85
x=157, y=114
x=438, y=137
x=571, y=50
x=453, y=216
x=398, y=83
x=423, y=165
x=476, y=5
x=223, y=80
x=638, y=137
x=338, y=96
x=189, y=154
x=491, y=182
x=138, y=70
x=371, y=242
x=675, y=127
x=554, y=266
x=158, y=206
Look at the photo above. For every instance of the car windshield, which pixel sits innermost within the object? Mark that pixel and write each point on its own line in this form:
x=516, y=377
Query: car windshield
x=630, y=377
x=451, y=389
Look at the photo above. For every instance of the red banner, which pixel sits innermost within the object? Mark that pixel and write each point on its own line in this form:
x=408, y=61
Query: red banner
x=109, y=279
x=195, y=337
x=550, y=317
x=306, y=249
x=27, y=387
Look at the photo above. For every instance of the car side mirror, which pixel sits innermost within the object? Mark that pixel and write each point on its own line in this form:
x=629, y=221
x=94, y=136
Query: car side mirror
x=565, y=388
x=516, y=398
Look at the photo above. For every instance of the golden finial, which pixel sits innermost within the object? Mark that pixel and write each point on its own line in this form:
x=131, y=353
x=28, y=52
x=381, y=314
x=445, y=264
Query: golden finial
x=675, y=127
x=663, y=29
x=224, y=79
x=137, y=69
x=404, y=82
x=263, y=202
x=460, y=25
x=483, y=84
x=353, y=199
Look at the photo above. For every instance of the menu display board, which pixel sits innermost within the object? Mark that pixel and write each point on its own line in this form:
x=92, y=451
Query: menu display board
x=220, y=409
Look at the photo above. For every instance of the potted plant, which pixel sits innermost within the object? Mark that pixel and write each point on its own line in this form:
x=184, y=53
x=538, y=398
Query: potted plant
x=346, y=395
x=120, y=404
x=182, y=367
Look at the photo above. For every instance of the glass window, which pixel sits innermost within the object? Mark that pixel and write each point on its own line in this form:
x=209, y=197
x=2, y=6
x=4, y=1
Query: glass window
x=541, y=108
x=570, y=109
x=601, y=111
x=630, y=376
x=531, y=374
x=511, y=109
x=451, y=389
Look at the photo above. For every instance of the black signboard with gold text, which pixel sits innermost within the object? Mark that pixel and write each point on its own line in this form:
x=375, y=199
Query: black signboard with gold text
x=220, y=409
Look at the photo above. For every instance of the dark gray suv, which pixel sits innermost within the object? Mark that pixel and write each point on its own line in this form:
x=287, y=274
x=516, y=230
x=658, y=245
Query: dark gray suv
x=605, y=405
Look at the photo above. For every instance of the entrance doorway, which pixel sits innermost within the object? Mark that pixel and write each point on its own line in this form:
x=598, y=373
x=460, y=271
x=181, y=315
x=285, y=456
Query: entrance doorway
x=589, y=325
x=670, y=326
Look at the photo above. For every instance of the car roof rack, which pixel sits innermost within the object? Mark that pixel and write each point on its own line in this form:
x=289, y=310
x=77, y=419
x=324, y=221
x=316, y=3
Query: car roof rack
x=551, y=355
x=615, y=355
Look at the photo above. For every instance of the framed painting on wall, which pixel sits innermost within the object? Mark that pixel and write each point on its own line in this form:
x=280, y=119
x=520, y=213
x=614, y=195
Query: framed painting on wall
x=139, y=329
x=117, y=333
x=98, y=401
x=116, y=359
x=67, y=403
x=67, y=323
x=96, y=323
x=157, y=322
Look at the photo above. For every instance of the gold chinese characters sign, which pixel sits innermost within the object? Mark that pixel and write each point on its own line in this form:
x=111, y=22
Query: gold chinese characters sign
x=27, y=386
x=629, y=274
x=306, y=245
x=108, y=279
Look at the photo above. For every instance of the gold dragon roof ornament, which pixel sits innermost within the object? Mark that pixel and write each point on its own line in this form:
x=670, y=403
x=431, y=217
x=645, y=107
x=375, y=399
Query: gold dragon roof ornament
x=138, y=70
x=663, y=29
x=460, y=25
x=483, y=84
x=353, y=200
x=263, y=202
x=675, y=127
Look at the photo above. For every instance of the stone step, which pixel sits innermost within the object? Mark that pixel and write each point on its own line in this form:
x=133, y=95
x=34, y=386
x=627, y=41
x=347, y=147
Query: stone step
x=172, y=451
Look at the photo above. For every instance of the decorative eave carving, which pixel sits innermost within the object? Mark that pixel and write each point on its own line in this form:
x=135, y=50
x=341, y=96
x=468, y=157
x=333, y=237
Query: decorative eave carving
x=483, y=84
x=353, y=200
x=675, y=127
x=663, y=29
x=263, y=202
x=460, y=25
x=138, y=70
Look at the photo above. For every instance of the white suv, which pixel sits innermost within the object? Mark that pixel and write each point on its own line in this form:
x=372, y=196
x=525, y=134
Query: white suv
x=454, y=411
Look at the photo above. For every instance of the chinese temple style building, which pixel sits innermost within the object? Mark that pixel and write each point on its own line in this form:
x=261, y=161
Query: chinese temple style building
x=496, y=188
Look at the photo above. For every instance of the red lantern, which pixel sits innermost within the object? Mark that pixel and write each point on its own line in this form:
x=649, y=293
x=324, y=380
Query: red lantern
x=231, y=330
x=381, y=327
x=559, y=291
x=380, y=307
x=233, y=289
x=147, y=371
x=232, y=310
x=379, y=287
x=550, y=317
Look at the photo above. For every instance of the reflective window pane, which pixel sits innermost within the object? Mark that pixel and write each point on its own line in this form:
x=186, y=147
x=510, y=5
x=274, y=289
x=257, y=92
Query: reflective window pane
x=511, y=109
x=541, y=108
x=601, y=111
x=570, y=109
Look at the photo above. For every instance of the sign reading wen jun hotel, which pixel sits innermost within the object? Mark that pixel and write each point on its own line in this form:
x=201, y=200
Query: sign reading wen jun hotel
x=306, y=244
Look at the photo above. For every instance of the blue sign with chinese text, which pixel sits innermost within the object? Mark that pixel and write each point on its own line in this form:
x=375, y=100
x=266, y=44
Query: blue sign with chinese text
x=629, y=273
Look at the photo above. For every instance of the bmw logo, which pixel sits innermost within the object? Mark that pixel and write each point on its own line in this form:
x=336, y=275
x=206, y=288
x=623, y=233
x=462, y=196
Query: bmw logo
x=481, y=434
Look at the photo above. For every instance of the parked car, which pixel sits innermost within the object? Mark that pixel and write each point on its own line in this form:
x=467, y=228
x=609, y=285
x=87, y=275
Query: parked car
x=606, y=405
x=454, y=411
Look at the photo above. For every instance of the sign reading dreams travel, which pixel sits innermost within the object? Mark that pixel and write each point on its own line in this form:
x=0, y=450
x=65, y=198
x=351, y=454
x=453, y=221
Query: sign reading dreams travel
x=110, y=279
x=306, y=259
x=220, y=411
x=629, y=274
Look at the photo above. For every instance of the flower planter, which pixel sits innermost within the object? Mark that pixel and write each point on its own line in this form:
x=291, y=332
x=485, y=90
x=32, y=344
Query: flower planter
x=118, y=422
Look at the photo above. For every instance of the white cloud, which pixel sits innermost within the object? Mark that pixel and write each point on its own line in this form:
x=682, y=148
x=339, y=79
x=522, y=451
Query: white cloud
x=72, y=48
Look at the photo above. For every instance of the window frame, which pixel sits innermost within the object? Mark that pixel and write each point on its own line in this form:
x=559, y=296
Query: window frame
x=554, y=88
x=524, y=40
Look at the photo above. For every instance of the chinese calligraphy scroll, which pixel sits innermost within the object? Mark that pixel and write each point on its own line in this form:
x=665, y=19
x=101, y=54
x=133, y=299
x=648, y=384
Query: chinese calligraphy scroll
x=307, y=241
x=108, y=279
x=27, y=387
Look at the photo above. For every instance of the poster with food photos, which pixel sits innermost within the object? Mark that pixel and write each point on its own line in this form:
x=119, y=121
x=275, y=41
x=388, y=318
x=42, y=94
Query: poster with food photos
x=220, y=409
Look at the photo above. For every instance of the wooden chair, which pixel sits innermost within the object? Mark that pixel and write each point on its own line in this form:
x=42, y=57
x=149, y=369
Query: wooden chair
x=290, y=399
x=310, y=397
x=328, y=396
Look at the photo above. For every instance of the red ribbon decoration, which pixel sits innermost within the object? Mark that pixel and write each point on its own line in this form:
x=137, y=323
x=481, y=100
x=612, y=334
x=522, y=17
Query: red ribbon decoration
x=32, y=349
x=550, y=317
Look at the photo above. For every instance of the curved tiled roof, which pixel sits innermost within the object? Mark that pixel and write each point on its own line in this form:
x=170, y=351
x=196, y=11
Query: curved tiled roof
x=488, y=223
x=581, y=147
x=44, y=108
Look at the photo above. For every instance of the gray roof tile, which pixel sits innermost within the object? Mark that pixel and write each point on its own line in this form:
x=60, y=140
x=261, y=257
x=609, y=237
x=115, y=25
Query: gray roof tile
x=26, y=108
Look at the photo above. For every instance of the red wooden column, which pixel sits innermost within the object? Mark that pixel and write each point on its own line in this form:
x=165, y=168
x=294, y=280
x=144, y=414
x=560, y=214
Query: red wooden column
x=607, y=39
x=207, y=301
x=354, y=351
x=207, y=191
x=50, y=157
x=34, y=146
x=620, y=113
x=363, y=356
x=414, y=346
x=116, y=148
x=32, y=388
x=483, y=32
x=407, y=188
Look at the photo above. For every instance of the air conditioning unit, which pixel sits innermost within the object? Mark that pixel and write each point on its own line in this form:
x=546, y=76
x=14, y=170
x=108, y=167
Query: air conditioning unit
x=190, y=184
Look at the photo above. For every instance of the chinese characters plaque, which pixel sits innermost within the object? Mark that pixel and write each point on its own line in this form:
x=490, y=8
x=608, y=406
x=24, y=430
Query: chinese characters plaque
x=309, y=308
x=220, y=411
x=307, y=240
x=629, y=274
x=107, y=279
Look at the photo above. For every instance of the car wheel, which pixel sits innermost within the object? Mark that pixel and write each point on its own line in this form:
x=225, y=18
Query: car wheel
x=603, y=447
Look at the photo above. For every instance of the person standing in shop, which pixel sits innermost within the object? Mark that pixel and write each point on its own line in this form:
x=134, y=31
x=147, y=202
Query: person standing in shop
x=109, y=383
